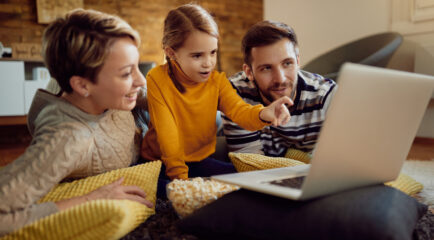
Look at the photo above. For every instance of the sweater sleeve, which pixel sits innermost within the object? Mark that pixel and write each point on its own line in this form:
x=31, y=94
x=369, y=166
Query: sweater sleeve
x=234, y=107
x=167, y=132
x=52, y=156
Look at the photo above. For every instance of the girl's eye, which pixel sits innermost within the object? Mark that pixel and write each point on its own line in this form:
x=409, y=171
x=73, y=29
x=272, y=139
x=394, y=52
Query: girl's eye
x=266, y=68
x=125, y=75
x=196, y=56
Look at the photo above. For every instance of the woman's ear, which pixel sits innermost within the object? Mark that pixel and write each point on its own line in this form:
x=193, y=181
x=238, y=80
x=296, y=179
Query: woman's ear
x=170, y=53
x=80, y=85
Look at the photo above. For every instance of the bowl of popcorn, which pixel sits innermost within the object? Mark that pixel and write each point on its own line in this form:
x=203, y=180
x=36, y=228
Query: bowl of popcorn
x=189, y=195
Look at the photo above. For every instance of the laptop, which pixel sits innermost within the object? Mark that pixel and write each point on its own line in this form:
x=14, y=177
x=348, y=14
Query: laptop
x=369, y=128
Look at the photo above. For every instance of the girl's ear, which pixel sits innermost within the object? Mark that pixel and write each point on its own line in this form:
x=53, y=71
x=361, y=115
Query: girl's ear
x=80, y=85
x=170, y=53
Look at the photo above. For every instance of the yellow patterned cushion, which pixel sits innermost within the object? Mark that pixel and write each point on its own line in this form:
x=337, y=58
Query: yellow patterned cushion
x=99, y=219
x=244, y=162
x=144, y=175
x=406, y=184
x=298, y=155
x=250, y=162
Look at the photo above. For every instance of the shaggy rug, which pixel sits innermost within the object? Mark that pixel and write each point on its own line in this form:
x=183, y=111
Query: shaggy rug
x=423, y=172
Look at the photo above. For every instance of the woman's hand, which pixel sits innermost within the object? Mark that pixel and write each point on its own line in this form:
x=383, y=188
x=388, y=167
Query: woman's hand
x=113, y=190
x=277, y=112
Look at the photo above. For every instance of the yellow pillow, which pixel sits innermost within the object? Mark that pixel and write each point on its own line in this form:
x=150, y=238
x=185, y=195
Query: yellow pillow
x=99, y=219
x=244, y=162
x=144, y=175
x=250, y=162
x=298, y=155
x=406, y=184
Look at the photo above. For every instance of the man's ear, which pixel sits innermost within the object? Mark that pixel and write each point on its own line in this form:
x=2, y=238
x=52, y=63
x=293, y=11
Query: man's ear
x=170, y=53
x=248, y=71
x=80, y=85
x=298, y=61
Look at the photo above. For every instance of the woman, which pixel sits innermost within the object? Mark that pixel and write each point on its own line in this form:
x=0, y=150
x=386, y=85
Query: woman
x=88, y=127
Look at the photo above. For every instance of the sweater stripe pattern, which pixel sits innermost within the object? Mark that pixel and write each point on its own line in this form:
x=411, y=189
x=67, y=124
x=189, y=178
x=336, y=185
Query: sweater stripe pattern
x=301, y=132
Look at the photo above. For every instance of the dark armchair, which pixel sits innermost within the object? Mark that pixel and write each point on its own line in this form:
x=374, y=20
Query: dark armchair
x=374, y=50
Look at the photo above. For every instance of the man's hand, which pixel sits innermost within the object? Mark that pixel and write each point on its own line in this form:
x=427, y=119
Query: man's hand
x=277, y=113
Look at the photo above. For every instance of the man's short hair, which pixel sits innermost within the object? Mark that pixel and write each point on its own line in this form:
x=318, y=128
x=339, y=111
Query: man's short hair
x=265, y=33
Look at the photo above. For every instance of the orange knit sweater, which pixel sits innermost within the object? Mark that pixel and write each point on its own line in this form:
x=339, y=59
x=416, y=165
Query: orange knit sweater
x=183, y=125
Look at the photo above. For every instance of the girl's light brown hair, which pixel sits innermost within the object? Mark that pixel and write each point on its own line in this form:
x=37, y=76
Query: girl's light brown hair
x=179, y=23
x=78, y=44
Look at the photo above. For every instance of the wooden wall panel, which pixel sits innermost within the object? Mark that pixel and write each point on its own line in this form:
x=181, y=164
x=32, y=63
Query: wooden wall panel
x=49, y=10
x=415, y=17
x=18, y=23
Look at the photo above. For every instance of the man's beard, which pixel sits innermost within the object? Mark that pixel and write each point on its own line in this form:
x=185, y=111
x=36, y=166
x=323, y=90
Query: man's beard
x=276, y=86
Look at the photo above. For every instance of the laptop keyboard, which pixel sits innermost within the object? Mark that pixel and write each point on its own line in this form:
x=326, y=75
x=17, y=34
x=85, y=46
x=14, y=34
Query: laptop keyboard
x=293, y=182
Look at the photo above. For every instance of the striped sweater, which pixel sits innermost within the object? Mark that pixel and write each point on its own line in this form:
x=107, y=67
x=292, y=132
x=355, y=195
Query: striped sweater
x=301, y=132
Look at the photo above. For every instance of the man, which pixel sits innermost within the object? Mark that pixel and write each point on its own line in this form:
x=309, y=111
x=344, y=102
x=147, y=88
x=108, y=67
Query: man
x=272, y=70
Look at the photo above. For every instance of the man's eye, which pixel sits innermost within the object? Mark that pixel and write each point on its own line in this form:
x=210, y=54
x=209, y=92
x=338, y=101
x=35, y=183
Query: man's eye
x=213, y=52
x=287, y=64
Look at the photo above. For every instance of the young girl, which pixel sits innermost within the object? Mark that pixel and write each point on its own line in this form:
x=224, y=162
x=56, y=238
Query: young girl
x=185, y=93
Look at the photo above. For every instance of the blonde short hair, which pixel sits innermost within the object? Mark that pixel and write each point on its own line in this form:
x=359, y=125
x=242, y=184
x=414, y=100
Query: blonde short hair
x=78, y=44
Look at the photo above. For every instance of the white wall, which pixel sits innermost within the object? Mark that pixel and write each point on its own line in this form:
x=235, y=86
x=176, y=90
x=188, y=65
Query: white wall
x=322, y=25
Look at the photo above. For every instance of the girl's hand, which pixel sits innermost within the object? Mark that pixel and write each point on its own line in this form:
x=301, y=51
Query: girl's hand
x=277, y=113
x=113, y=190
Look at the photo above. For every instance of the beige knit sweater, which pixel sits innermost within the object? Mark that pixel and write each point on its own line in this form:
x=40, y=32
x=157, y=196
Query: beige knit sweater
x=67, y=143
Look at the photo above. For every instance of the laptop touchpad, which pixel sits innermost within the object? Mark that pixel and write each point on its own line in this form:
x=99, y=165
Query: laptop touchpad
x=293, y=182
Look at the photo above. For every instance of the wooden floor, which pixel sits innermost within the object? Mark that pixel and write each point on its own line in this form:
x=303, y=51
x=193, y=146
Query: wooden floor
x=15, y=139
x=422, y=149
